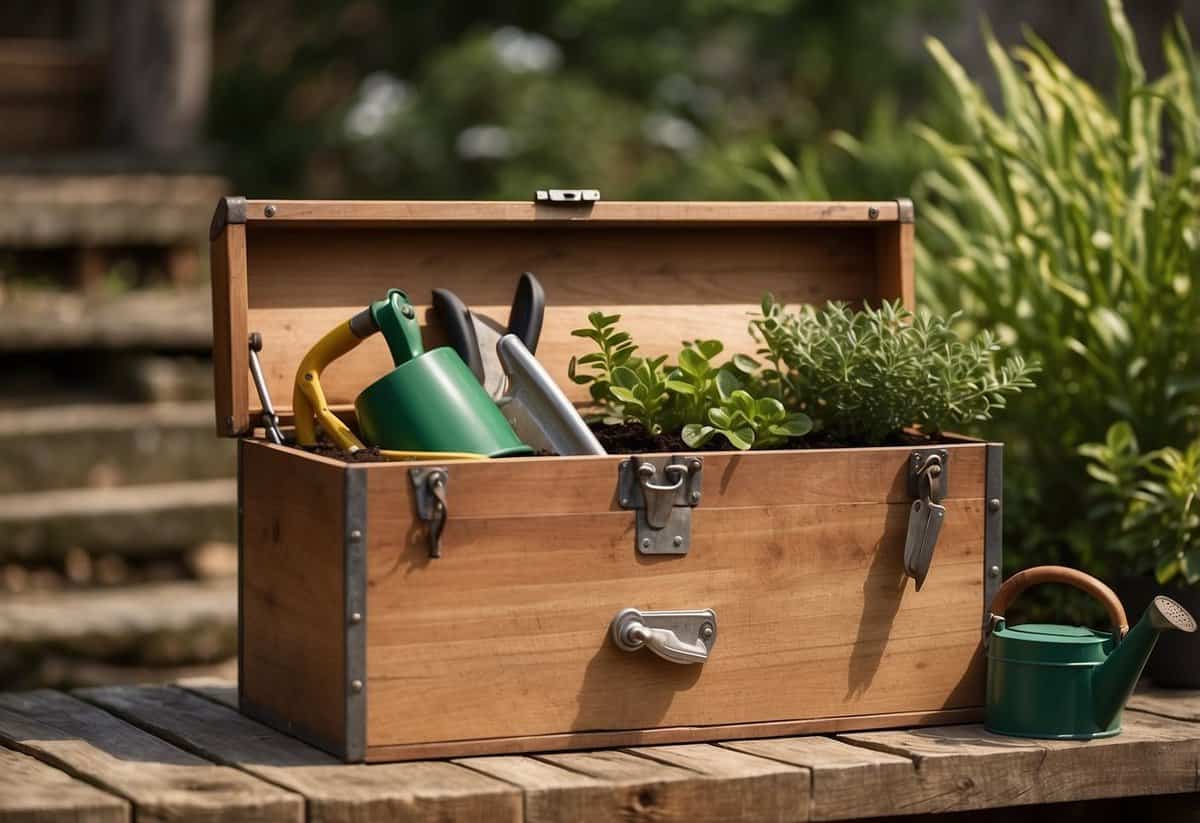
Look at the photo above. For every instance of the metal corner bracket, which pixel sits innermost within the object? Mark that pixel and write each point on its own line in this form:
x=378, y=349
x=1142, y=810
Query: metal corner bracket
x=663, y=490
x=229, y=210
x=905, y=210
x=993, y=528
x=355, y=612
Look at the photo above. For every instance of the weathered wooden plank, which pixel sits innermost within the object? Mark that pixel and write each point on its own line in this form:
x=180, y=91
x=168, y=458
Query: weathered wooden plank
x=32, y=792
x=1180, y=704
x=162, y=781
x=701, y=783
x=847, y=781
x=423, y=791
x=965, y=767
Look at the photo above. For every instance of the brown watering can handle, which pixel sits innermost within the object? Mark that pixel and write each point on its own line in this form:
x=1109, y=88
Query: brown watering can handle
x=1019, y=582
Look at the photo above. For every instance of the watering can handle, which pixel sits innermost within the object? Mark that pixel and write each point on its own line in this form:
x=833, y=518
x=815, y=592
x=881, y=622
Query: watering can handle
x=1019, y=582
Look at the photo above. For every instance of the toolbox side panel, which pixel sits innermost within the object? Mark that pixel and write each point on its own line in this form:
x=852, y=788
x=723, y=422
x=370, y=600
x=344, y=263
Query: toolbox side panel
x=503, y=642
x=292, y=589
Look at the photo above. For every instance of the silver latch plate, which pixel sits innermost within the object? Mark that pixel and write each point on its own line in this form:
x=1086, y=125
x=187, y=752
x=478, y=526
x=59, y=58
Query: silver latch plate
x=674, y=536
x=566, y=197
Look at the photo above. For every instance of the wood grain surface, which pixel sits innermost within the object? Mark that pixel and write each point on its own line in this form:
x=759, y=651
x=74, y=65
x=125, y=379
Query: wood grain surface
x=158, y=753
x=670, y=269
x=33, y=792
x=163, y=781
x=292, y=591
x=332, y=792
x=815, y=616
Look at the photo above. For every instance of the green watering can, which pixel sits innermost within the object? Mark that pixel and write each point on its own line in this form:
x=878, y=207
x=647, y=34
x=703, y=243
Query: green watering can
x=1068, y=682
x=431, y=401
x=430, y=406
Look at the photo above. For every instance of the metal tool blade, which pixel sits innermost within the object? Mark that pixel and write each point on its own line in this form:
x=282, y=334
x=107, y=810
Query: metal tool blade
x=535, y=406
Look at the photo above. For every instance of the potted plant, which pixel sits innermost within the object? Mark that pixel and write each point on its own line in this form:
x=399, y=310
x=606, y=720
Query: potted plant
x=1151, y=498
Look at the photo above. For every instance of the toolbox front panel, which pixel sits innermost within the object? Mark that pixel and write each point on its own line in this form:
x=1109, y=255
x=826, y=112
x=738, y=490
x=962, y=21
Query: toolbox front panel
x=506, y=635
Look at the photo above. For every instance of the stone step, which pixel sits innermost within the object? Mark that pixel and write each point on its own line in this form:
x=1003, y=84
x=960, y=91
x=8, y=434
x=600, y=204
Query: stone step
x=75, y=636
x=90, y=446
x=126, y=520
x=155, y=319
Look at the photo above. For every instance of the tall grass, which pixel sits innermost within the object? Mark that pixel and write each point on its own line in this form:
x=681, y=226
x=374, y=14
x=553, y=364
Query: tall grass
x=1069, y=222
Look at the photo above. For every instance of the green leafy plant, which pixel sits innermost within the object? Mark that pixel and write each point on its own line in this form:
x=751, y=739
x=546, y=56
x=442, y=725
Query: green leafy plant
x=1154, y=497
x=868, y=374
x=695, y=397
x=1071, y=224
x=748, y=423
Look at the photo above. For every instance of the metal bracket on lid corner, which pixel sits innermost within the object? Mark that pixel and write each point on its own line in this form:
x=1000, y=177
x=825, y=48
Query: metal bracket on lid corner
x=663, y=490
x=566, y=197
x=430, y=485
x=928, y=482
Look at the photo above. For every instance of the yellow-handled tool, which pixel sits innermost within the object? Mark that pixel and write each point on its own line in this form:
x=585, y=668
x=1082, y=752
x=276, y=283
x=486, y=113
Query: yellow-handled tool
x=311, y=407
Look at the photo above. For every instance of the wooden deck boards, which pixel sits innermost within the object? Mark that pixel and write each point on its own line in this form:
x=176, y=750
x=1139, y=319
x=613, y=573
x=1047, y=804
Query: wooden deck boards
x=183, y=753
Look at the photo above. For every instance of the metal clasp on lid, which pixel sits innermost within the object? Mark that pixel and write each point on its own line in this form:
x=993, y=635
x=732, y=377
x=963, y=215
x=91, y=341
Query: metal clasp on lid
x=663, y=490
x=566, y=197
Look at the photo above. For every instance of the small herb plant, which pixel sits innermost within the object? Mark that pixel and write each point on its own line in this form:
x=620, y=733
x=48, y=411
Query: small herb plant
x=695, y=397
x=864, y=375
x=1155, y=496
x=868, y=374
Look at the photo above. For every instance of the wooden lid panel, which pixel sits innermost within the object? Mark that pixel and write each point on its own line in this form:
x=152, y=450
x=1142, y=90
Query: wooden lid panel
x=668, y=279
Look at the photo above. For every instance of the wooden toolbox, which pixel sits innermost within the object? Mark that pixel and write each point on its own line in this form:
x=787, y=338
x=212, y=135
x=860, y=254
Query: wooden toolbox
x=791, y=578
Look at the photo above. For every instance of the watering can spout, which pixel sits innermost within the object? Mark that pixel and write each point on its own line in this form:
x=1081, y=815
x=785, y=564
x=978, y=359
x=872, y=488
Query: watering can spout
x=1114, y=679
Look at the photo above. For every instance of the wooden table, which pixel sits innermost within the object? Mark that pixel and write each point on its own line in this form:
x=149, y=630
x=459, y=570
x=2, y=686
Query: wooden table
x=182, y=752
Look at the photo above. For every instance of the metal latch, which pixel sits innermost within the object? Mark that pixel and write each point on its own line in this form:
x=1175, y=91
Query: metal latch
x=430, y=487
x=927, y=481
x=680, y=637
x=566, y=197
x=663, y=490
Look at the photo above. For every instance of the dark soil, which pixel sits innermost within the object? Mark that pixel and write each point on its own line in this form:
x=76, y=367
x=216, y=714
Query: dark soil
x=368, y=455
x=632, y=438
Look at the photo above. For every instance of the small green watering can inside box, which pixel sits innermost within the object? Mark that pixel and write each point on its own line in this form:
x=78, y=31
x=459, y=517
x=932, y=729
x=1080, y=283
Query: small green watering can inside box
x=1068, y=682
x=430, y=406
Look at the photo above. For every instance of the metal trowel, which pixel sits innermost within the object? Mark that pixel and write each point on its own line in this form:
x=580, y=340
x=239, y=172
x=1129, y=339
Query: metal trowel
x=504, y=364
x=535, y=406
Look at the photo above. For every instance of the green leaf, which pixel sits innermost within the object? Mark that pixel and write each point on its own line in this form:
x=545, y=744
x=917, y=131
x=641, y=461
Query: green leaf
x=624, y=377
x=769, y=409
x=680, y=387
x=727, y=383
x=720, y=418
x=623, y=394
x=744, y=363
x=710, y=348
x=796, y=425
x=694, y=363
x=696, y=435
x=742, y=438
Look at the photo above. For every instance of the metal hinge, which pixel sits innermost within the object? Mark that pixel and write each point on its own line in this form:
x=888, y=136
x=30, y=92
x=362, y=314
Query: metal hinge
x=663, y=490
x=566, y=197
x=927, y=481
x=430, y=487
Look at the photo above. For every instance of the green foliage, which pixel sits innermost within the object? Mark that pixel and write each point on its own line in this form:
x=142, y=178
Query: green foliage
x=1153, y=496
x=1072, y=226
x=748, y=423
x=696, y=397
x=460, y=99
x=867, y=374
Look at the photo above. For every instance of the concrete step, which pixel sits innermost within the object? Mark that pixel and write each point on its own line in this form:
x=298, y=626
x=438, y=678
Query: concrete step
x=76, y=636
x=89, y=446
x=126, y=520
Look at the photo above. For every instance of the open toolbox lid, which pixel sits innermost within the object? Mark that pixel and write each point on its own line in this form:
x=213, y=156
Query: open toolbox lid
x=292, y=270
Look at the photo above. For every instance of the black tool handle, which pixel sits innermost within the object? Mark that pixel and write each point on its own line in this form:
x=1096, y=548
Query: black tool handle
x=455, y=318
x=528, y=309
